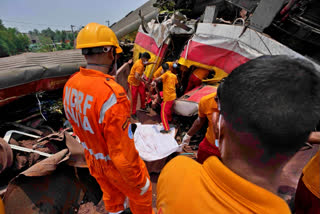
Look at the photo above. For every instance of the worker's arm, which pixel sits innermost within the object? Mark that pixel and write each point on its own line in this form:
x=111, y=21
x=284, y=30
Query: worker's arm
x=150, y=63
x=159, y=79
x=119, y=139
x=314, y=138
x=139, y=74
x=196, y=126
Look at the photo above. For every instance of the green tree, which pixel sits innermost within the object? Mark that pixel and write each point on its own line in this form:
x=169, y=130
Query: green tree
x=12, y=41
x=48, y=33
x=36, y=32
x=63, y=36
x=58, y=37
x=2, y=27
x=46, y=44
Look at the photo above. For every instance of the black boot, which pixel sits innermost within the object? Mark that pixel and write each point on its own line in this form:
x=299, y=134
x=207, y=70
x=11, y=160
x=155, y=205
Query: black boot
x=126, y=211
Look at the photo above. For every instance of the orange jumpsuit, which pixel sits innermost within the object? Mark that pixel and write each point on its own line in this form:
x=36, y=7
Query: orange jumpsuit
x=187, y=187
x=1, y=207
x=99, y=110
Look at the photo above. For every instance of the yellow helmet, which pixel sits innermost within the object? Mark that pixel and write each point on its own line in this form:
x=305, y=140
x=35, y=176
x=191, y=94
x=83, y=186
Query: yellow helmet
x=96, y=35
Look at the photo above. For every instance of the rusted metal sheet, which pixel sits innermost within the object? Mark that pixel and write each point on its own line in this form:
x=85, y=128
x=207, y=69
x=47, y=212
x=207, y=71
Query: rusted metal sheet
x=59, y=192
x=55, y=184
x=6, y=155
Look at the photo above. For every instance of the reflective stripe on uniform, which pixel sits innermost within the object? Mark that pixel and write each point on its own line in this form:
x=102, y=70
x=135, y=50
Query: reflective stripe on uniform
x=145, y=188
x=108, y=104
x=98, y=155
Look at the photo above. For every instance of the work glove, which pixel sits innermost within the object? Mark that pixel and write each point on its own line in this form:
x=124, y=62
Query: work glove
x=186, y=139
x=153, y=84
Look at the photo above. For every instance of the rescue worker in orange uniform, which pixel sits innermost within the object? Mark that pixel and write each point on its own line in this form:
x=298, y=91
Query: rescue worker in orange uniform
x=137, y=83
x=196, y=78
x=169, y=81
x=260, y=104
x=99, y=111
x=172, y=66
x=307, y=199
x=207, y=110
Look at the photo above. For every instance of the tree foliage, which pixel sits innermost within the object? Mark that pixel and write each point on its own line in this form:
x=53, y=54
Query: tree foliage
x=12, y=41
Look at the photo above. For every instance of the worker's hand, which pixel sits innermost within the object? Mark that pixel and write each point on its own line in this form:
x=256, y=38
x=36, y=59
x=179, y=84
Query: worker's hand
x=186, y=139
x=153, y=84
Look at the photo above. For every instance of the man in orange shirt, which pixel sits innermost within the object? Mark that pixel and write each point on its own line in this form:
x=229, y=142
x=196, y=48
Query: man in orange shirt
x=196, y=78
x=268, y=107
x=137, y=82
x=207, y=110
x=99, y=111
x=169, y=95
x=171, y=66
x=307, y=199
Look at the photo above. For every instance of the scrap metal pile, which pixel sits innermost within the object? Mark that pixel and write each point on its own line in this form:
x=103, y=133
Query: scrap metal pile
x=42, y=165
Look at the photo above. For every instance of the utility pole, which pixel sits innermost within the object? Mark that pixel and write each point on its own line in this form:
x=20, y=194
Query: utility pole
x=72, y=26
x=108, y=23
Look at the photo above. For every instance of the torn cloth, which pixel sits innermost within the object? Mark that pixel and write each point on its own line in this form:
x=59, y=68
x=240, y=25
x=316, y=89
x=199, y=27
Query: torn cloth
x=153, y=145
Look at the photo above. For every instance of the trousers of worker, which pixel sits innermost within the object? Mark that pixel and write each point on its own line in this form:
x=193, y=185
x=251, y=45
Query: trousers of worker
x=135, y=90
x=206, y=149
x=193, y=82
x=115, y=190
x=166, y=113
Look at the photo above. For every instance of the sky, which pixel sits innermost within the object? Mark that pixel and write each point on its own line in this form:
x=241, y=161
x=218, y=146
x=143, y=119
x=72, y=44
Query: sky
x=27, y=15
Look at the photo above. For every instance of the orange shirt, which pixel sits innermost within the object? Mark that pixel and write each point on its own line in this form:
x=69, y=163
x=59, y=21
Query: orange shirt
x=137, y=67
x=169, y=86
x=185, y=186
x=157, y=73
x=201, y=73
x=207, y=106
x=311, y=175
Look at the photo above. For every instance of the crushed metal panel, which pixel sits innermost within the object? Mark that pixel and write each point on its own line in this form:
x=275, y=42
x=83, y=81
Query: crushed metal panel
x=59, y=192
x=210, y=14
x=149, y=43
x=6, y=155
x=249, y=5
x=230, y=49
x=265, y=13
x=132, y=21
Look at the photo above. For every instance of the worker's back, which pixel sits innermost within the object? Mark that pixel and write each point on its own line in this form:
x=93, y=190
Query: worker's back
x=185, y=186
x=83, y=112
